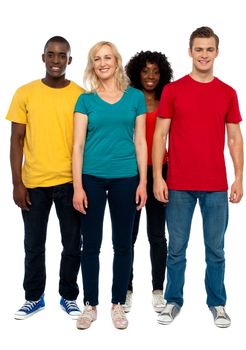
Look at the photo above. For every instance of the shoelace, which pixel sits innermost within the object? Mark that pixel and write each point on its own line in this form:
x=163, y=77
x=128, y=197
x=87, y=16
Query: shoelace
x=220, y=311
x=118, y=312
x=158, y=299
x=71, y=305
x=29, y=305
x=168, y=310
x=87, y=313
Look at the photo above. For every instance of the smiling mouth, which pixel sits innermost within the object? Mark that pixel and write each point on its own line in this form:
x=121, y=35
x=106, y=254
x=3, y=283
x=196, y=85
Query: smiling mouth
x=150, y=83
x=55, y=69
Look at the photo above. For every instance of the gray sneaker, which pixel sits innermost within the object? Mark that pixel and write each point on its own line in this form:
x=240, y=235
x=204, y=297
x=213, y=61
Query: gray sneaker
x=168, y=314
x=221, y=319
x=128, y=303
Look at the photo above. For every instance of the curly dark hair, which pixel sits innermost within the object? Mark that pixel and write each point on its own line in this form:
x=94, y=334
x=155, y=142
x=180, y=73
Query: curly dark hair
x=139, y=61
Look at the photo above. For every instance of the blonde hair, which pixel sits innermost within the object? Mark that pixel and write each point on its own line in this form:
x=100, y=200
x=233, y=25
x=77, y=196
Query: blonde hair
x=90, y=76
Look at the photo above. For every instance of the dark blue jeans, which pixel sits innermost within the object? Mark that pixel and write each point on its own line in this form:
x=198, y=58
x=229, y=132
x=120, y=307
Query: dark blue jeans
x=35, y=223
x=120, y=194
x=155, y=217
x=214, y=210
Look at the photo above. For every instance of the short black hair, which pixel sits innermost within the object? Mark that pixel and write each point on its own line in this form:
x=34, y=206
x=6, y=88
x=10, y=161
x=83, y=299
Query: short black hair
x=203, y=32
x=139, y=61
x=57, y=39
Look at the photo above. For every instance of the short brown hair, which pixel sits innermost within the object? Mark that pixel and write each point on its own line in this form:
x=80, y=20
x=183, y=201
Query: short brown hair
x=204, y=32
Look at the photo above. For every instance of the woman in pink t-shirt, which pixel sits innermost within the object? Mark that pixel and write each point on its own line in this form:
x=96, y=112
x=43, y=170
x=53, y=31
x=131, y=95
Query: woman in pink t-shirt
x=150, y=72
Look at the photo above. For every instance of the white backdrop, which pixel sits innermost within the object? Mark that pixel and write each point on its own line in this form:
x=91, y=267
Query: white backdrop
x=159, y=25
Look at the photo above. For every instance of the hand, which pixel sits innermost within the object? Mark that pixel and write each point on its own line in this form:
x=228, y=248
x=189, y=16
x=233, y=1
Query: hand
x=160, y=190
x=21, y=197
x=80, y=201
x=141, y=196
x=236, y=193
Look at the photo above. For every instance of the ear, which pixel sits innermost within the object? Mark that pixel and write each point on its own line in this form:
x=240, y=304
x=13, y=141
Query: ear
x=43, y=57
x=70, y=60
x=217, y=53
x=189, y=52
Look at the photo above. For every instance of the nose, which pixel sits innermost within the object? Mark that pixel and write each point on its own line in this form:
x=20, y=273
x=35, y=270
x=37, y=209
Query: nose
x=56, y=59
x=204, y=53
x=150, y=75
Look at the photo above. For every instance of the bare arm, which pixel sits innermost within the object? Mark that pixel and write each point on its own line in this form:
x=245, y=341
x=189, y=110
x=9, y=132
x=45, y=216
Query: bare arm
x=158, y=149
x=235, y=144
x=141, y=153
x=20, y=194
x=80, y=201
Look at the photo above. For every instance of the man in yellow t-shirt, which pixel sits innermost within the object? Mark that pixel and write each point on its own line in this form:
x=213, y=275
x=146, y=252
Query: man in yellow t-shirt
x=41, y=113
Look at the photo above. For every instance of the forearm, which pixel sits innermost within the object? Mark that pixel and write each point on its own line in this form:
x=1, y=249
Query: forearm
x=141, y=154
x=16, y=159
x=235, y=145
x=158, y=151
x=77, y=163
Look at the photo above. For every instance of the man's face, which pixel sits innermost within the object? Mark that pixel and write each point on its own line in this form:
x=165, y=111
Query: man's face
x=203, y=53
x=56, y=58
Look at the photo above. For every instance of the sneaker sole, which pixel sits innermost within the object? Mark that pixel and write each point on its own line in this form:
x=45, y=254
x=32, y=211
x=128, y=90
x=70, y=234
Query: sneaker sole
x=222, y=325
x=158, y=309
x=23, y=317
x=164, y=322
x=73, y=317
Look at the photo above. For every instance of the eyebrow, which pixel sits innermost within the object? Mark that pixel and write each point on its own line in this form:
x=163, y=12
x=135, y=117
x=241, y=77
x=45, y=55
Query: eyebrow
x=60, y=52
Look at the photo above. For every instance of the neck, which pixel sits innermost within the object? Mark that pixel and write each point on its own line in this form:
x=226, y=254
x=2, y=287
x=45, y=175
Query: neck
x=203, y=77
x=151, y=101
x=55, y=82
x=108, y=86
x=149, y=95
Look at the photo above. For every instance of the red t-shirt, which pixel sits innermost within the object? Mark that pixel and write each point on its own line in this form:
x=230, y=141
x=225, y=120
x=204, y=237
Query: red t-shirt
x=199, y=112
x=150, y=128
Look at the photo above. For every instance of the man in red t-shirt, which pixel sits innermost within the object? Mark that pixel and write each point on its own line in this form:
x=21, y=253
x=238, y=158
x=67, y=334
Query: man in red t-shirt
x=194, y=112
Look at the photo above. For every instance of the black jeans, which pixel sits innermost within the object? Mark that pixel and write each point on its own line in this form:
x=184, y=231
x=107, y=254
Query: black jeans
x=120, y=194
x=155, y=217
x=35, y=223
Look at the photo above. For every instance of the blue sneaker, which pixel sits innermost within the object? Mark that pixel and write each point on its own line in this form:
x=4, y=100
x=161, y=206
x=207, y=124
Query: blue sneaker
x=30, y=308
x=71, y=308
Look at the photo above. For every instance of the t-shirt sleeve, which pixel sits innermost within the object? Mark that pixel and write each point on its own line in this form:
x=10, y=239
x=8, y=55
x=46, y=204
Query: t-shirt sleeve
x=166, y=106
x=17, y=112
x=80, y=105
x=141, y=106
x=233, y=115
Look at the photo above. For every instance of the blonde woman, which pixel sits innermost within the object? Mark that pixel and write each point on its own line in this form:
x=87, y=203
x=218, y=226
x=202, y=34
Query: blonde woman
x=109, y=164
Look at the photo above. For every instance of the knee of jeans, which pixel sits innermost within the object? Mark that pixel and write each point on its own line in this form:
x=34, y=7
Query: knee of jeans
x=215, y=255
x=157, y=239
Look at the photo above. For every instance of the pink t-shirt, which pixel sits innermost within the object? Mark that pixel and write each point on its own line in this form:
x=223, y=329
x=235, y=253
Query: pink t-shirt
x=199, y=112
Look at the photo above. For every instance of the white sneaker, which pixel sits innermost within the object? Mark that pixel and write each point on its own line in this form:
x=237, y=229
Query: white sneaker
x=221, y=319
x=168, y=314
x=128, y=303
x=157, y=300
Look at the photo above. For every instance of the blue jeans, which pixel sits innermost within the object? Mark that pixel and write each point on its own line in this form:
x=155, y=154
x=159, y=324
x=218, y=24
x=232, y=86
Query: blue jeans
x=120, y=194
x=35, y=223
x=214, y=210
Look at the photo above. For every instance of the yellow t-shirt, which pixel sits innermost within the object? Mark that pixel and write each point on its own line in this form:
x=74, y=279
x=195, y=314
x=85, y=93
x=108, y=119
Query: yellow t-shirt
x=48, y=115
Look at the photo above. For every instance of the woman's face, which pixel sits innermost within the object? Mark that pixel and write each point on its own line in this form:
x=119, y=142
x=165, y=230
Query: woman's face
x=150, y=76
x=104, y=63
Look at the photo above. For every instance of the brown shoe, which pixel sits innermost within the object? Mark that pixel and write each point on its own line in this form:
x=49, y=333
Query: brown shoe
x=87, y=317
x=118, y=317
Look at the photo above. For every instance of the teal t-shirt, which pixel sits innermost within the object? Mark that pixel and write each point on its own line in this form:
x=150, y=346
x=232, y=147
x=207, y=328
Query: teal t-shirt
x=109, y=148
